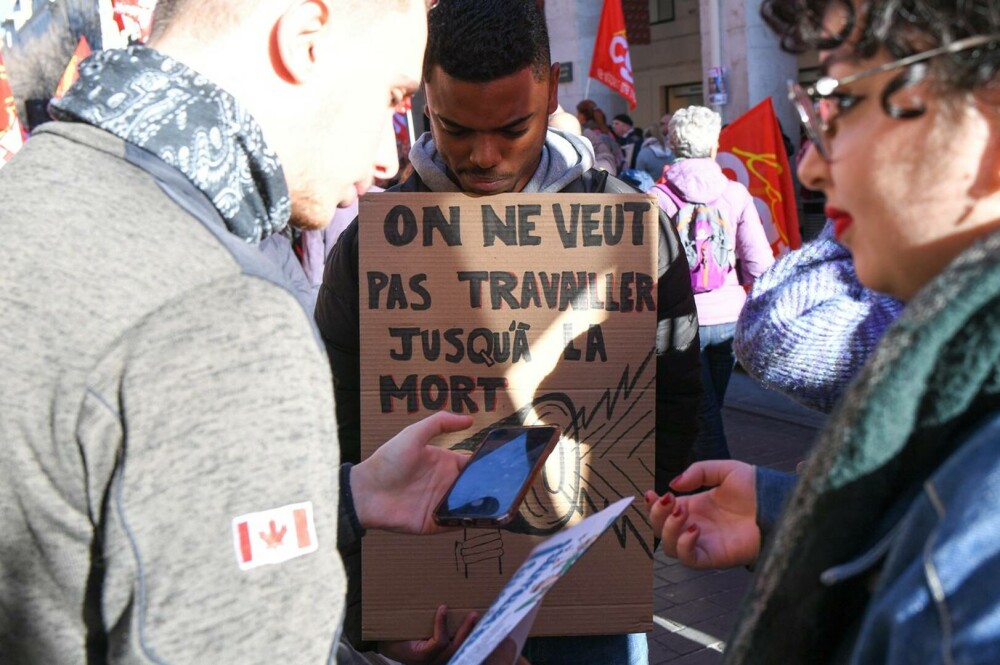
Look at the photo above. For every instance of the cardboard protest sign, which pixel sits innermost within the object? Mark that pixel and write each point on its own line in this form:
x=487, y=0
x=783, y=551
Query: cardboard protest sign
x=518, y=309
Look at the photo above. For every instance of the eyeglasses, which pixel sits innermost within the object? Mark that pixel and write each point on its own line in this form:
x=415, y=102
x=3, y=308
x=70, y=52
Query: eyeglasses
x=820, y=103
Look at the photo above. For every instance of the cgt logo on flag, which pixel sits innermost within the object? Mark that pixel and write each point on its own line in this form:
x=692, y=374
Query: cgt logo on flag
x=611, y=63
x=752, y=153
x=274, y=536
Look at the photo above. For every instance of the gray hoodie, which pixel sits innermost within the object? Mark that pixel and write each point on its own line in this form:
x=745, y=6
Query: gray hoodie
x=565, y=157
x=653, y=158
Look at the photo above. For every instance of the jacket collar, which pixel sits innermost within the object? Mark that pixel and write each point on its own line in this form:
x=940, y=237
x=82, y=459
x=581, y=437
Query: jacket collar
x=159, y=104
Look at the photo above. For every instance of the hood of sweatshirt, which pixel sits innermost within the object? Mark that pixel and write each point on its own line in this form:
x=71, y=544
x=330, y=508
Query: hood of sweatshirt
x=658, y=149
x=698, y=179
x=565, y=157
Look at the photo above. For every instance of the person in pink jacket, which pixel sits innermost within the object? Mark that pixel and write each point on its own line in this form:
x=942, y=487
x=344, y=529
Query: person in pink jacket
x=696, y=178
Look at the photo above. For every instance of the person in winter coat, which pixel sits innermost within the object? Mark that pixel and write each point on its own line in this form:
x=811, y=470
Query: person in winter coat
x=171, y=485
x=490, y=87
x=595, y=129
x=884, y=552
x=696, y=178
x=655, y=153
x=629, y=138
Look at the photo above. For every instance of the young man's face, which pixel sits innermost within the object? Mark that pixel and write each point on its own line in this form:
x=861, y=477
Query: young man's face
x=490, y=135
x=352, y=141
x=620, y=128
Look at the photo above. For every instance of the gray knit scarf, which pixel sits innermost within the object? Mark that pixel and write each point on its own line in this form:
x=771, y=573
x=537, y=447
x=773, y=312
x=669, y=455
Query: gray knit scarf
x=935, y=375
x=158, y=104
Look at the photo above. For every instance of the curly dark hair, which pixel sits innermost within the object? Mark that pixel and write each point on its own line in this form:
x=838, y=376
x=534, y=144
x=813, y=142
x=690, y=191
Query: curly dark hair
x=903, y=28
x=483, y=40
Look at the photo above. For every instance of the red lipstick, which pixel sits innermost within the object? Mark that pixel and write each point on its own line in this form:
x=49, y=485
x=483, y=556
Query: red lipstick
x=841, y=220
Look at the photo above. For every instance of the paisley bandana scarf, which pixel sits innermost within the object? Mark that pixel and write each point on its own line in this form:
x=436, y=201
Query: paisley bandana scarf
x=158, y=104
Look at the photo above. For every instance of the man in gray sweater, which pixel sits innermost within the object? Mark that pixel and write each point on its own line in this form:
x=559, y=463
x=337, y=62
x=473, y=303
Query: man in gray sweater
x=170, y=481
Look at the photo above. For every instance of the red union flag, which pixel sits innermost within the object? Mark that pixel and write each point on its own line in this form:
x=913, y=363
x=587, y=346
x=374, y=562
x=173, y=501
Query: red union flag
x=751, y=152
x=401, y=127
x=11, y=137
x=274, y=536
x=72, y=72
x=134, y=18
x=611, y=64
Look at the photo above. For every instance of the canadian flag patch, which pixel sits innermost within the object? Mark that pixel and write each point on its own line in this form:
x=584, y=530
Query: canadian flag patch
x=274, y=536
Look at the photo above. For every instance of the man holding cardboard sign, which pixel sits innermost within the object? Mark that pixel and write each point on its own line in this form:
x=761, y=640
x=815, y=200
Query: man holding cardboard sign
x=490, y=88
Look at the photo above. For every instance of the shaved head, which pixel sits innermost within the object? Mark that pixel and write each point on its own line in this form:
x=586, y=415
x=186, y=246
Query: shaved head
x=209, y=17
x=288, y=64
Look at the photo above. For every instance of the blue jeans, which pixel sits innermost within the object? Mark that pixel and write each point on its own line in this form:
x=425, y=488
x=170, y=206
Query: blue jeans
x=717, y=362
x=604, y=649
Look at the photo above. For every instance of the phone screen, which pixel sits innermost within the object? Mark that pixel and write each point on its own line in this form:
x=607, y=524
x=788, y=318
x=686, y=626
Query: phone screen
x=494, y=478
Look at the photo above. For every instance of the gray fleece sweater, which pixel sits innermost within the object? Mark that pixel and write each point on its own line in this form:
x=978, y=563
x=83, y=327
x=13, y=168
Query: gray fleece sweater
x=159, y=383
x=565, y=157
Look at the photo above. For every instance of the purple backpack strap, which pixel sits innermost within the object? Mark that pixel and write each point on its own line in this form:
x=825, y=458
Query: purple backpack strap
x=671, y=193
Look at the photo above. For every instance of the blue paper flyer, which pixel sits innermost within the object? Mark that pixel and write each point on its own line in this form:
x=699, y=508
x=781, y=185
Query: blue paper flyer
x=514, y=609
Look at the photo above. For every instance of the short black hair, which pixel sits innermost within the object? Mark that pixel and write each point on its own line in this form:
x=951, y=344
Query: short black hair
x=626, y=118
x=484, y=40
x=902, y=27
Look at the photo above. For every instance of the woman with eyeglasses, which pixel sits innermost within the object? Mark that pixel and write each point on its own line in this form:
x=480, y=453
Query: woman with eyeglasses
x=888, y=548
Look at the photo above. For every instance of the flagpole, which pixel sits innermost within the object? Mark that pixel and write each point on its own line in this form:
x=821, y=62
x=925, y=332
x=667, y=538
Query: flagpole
x=586, y=88
x=409, y=126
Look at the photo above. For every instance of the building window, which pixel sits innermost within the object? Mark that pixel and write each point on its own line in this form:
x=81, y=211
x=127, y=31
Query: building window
x=661, y=11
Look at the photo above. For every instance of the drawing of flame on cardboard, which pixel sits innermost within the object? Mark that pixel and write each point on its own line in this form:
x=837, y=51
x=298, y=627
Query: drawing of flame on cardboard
x=571, y=487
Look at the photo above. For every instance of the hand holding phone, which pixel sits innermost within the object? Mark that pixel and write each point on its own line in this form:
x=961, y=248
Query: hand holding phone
x=491, y=487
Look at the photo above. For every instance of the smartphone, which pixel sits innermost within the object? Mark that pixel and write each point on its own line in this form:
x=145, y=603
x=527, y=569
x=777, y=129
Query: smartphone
x=489, y=490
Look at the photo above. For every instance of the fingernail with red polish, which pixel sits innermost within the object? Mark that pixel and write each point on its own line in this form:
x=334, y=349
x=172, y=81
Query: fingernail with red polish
x=677, y=513
x=692, y=528
x=667, y=499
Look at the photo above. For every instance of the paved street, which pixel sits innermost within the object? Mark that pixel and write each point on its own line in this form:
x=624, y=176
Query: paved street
x=694, y=610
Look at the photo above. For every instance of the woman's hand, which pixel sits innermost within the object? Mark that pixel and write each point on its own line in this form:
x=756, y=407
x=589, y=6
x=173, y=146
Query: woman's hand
x=716, y=528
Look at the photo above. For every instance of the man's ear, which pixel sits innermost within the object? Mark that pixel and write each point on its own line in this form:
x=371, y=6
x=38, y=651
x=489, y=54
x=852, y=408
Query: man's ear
x=987, y=182
x=427, y=85
x=553, y=87
x=298, y=37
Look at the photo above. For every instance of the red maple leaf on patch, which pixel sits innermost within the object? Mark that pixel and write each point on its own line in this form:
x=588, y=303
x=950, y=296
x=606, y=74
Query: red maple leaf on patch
x=274, y=538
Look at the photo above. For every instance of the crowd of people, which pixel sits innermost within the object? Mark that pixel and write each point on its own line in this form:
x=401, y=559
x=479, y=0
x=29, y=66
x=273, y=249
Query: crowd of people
x=621, y=149
x=177, y=364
